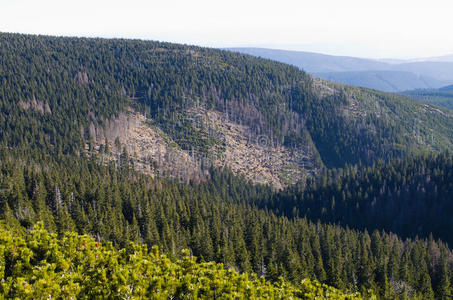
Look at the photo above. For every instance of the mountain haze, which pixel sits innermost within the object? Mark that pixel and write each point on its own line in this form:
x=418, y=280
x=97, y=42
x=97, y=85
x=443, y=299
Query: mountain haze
x=389, y=81
x=443, y=58
x=315, y=62
x=386, y=75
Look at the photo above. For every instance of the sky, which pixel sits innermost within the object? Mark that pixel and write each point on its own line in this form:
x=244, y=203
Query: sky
x=363, y=28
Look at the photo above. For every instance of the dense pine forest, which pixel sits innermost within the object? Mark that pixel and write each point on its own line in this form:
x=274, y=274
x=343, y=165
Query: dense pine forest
x=411, y=197
x=372, y=217
x=218, y=221
x=442, y=97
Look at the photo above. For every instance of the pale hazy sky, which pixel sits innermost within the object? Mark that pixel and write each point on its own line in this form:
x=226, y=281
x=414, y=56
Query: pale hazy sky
x=379, y=28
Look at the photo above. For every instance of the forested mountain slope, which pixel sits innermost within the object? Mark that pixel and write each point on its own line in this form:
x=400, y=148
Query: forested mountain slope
x=411, y=197
x=65, y=95
x=442, y=97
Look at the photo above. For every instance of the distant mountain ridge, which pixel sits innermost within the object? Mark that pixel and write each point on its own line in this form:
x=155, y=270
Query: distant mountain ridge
x=388, y=81
x=385, y=75
x=442, y=96
x=447, y=88
x=315, y=62
x=443, y=58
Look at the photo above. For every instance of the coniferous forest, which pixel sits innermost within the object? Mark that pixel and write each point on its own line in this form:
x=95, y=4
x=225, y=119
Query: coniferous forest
x=372, y=219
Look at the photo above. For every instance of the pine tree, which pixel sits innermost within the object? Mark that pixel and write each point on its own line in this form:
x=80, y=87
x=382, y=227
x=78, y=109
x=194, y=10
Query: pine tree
x=425, y=287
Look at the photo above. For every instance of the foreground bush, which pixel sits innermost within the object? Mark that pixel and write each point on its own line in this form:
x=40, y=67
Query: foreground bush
x=39, y=265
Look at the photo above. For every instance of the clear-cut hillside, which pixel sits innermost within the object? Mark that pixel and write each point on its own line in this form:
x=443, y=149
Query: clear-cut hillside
x=153, y=152
x=267, y=120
